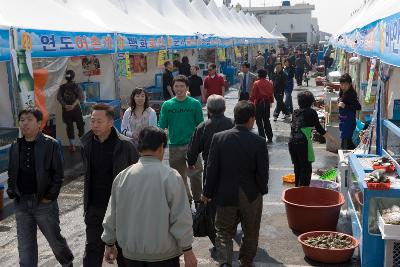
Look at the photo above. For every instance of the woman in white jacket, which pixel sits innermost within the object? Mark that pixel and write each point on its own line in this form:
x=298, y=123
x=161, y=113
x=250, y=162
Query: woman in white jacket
x=138, y=116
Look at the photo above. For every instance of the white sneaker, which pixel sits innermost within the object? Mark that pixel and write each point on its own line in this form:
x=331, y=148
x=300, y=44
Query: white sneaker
x=287, y=117
x=275, y=118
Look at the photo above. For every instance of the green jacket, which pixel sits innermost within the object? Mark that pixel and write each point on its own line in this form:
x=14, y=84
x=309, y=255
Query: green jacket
x=181, y=118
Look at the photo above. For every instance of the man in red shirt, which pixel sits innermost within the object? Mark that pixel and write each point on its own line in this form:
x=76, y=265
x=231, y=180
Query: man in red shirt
x=262, y=96
x=214, y=83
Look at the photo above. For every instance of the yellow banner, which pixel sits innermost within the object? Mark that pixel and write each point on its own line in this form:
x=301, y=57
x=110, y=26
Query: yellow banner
x=221, y=54
x=237, y=52
x=162, y=57
x=128, y=66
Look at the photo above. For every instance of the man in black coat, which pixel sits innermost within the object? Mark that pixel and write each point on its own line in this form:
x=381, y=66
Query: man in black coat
x=105, y=154
x=36, y=174
x=201, y=139
x=237, y=178
x=279, y=81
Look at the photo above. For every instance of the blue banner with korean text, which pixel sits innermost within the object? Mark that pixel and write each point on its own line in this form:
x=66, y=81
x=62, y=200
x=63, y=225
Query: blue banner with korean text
x=226, y=42
x=45, y=43
x=209, y=42
x=4, y=45
x=379, y=39
x=179, y=42
x=134, y=43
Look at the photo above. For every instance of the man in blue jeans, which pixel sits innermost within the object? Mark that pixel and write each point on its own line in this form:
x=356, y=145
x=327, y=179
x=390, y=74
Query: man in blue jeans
x=35, y=176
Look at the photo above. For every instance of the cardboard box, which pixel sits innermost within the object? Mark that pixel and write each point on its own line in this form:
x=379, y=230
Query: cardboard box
x=333, y=129
x=333, y=106
x=333, y=118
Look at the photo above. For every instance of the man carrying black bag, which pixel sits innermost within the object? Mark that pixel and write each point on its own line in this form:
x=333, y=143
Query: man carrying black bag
x=203, y=223
x=200, y=143
x=237, y=178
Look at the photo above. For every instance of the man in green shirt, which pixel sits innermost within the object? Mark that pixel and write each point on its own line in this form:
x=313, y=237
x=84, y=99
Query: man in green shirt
x=181, y=115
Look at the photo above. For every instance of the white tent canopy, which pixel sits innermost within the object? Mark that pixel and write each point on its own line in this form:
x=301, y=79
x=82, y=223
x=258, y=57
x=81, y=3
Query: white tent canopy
x=233, y=21
x=200, y=24
x=370, y=12
x=216, y=27
x=170, y=11
x=105, y=14
x=169, y=17
x=277, y=33
x=261, y=28
x=36, y=15
x=146, y=13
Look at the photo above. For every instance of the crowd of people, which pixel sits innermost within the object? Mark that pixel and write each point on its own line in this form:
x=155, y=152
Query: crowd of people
x=137, y=210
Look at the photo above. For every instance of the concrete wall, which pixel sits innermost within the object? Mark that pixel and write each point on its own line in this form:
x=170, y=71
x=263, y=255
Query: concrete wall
x=301, y=23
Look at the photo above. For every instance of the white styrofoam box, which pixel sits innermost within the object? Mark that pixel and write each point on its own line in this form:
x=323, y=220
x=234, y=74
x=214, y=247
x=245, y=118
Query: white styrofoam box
x=343, y=171
x=388, y=231
x=334, y=131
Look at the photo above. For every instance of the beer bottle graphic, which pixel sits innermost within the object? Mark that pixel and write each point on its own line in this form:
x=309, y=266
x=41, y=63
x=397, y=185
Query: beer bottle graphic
x=25, y=80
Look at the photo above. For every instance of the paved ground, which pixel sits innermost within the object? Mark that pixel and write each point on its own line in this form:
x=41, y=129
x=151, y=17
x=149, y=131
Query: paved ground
x=277, y=244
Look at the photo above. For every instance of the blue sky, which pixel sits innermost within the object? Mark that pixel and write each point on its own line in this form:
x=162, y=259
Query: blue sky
x=331, y=14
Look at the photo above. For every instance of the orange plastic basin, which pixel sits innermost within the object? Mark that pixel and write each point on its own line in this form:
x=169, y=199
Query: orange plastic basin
x=312, y=209
x=327, y=255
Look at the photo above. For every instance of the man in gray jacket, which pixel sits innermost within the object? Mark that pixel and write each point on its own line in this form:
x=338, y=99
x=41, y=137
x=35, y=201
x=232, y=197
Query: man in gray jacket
x=148, y=213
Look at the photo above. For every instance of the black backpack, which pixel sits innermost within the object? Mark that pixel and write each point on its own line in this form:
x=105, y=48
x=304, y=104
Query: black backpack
x=69, y=93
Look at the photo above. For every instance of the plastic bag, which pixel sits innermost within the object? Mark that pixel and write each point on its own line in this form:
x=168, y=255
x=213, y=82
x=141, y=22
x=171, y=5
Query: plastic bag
x=203, y=224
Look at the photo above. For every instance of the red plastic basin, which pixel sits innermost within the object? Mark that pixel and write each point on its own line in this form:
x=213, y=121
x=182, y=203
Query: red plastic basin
x=312, y=209
x=327, y=255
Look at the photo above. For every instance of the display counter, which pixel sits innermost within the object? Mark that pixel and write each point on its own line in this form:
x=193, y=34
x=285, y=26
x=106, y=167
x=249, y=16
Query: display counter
x=364, y=204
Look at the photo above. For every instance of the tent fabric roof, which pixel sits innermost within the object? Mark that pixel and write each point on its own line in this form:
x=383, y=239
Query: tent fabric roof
x=277, y=33
x=170, y=17
x=370, y=12
x=143, y=11
x=214, y=26
x=107, y=15
x=36, y=15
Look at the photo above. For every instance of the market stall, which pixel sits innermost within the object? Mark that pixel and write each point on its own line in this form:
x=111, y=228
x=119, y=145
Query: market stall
x=374, y=196
x=8, y=131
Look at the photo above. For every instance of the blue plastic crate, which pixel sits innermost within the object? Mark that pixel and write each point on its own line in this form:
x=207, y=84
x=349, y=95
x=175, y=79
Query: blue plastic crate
x=153, y=89
x=4, y=157
x=61, y=150
x=396, y=109
x=155, y=93
x=158, y=80
x=91, y=90
x=117, y=124
x=8, y=135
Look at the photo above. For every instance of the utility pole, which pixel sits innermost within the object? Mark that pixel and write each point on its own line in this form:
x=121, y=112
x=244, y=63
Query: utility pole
x=249, y=3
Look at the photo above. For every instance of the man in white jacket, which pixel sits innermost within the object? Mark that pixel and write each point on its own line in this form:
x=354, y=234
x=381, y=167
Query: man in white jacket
x=148, y=213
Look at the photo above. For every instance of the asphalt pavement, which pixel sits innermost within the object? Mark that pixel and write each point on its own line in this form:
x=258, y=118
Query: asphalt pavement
x=278, y=245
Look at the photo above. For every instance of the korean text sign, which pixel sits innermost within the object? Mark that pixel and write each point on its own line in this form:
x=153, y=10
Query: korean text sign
x=43, y=43
x=140, y=43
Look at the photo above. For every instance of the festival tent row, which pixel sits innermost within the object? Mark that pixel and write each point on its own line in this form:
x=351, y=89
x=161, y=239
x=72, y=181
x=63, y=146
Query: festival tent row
x=373, y=32
x=368, y=47
x=275, y=31
x=97, y=38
